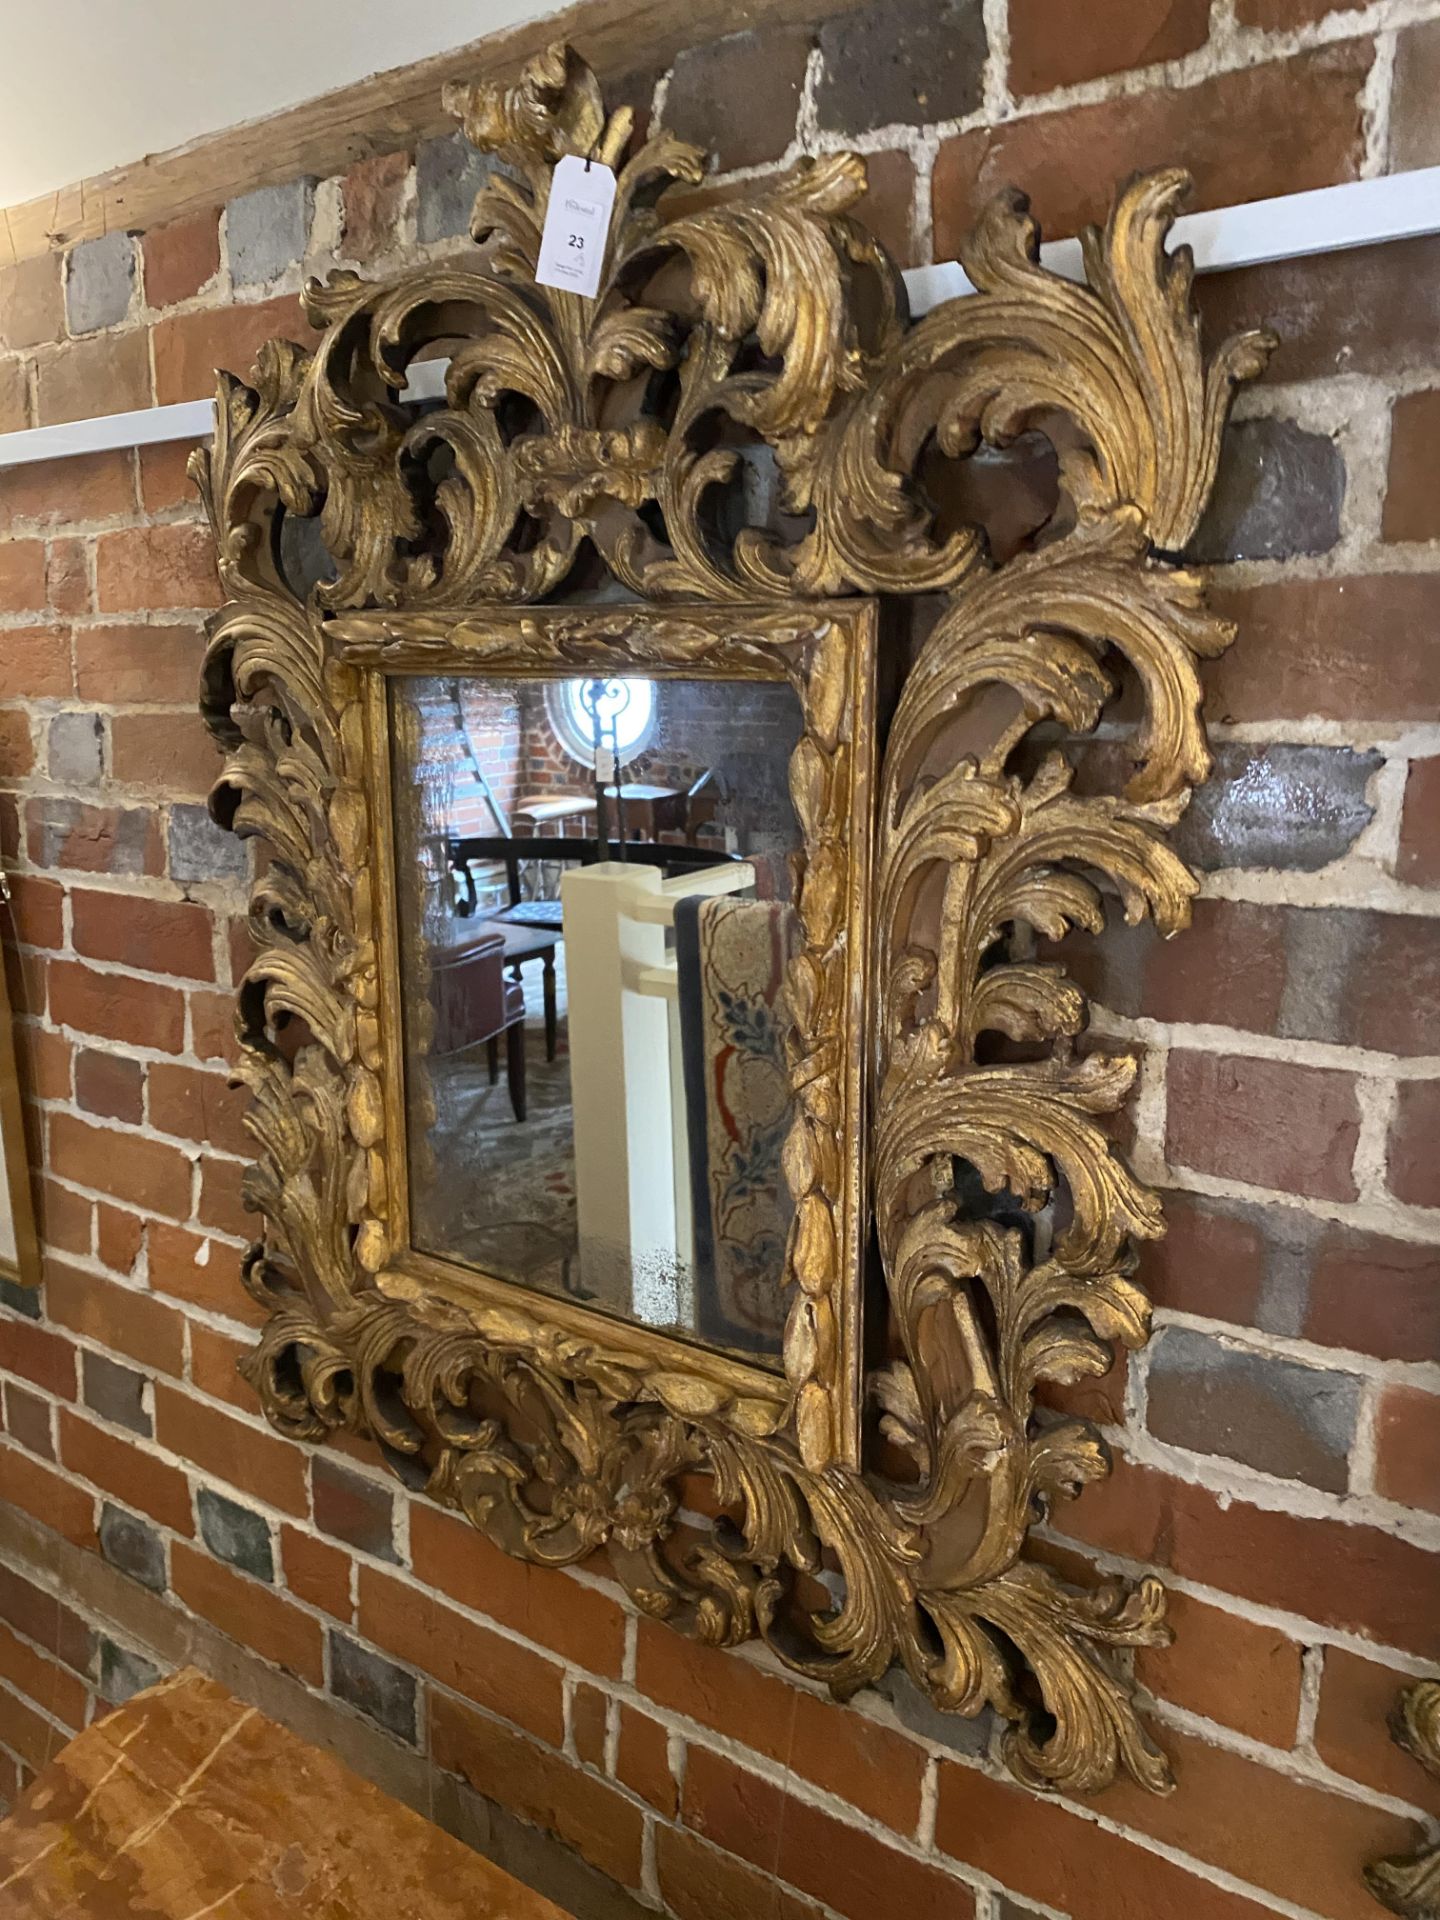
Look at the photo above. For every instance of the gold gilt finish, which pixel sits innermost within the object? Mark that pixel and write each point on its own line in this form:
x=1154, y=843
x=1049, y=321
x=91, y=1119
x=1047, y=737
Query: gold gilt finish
x=582, y=434
x=1411, y=1885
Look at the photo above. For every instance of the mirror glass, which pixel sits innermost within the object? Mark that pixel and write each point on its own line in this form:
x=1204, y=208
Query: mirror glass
x=595, y=919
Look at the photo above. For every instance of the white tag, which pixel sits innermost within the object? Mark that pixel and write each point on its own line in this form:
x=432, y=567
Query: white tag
x=577, y=224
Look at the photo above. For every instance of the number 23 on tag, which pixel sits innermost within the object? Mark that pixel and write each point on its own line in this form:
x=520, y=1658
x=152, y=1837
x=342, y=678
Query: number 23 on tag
x=577, y=223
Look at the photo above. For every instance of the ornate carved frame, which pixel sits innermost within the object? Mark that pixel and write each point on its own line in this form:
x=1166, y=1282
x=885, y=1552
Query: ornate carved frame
x=577, y=434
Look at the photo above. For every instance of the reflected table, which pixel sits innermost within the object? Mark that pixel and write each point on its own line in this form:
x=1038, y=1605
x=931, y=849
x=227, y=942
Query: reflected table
x=524, y=942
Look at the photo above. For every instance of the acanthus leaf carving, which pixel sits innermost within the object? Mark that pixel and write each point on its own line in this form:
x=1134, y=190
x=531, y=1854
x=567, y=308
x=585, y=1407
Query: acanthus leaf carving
x=612, y=432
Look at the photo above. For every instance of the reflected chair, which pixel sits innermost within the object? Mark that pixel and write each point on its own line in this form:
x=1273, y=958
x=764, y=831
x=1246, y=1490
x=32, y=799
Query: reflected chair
x=474, y=1001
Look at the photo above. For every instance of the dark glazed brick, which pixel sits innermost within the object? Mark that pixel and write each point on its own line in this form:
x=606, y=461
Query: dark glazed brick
x=1278, y=493
x=738, y=98
x=1293, y=1421
x=199, y=850
x=116, y=1393
x=901, y=63
x=1277, y=806
x=124, y=1672
x=132, y=1546
x=23, y=1300
x=351, y=1508
x=382, y=1691
x=236, y=1534
x=448, y=175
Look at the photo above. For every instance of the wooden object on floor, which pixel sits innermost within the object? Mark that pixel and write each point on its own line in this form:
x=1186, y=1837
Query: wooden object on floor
x=186, y=1802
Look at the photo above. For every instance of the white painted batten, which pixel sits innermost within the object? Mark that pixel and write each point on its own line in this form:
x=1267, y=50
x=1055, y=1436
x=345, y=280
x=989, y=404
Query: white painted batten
x=1358, y=213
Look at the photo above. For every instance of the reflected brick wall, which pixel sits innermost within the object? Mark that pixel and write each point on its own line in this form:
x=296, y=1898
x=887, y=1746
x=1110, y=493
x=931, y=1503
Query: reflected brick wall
x=1277, y=1445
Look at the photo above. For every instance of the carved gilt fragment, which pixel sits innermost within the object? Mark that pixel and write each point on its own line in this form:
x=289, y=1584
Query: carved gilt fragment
x=589, y=449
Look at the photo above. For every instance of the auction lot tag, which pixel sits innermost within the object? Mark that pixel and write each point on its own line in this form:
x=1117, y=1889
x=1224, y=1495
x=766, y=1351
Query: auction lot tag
x=577, y=221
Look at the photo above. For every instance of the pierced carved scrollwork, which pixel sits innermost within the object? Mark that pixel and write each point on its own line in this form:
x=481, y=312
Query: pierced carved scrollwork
x=1410, y=1885
x=579, y=439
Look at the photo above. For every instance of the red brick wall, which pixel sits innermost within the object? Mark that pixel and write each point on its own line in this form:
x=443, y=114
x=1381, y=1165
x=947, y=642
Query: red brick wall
x=1278, y=1444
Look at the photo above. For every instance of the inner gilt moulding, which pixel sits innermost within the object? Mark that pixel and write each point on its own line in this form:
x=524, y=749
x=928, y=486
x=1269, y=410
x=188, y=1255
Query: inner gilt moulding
x=943, y=548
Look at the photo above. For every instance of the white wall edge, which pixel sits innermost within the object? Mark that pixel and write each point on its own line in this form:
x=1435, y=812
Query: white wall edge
x=1358, y=213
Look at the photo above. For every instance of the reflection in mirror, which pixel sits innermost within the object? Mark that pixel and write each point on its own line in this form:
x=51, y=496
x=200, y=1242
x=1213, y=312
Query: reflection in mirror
x=594, y=886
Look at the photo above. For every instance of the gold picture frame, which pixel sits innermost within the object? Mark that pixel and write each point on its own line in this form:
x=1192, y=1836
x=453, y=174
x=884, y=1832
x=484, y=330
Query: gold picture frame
x=581, y=446
x=19, y=1240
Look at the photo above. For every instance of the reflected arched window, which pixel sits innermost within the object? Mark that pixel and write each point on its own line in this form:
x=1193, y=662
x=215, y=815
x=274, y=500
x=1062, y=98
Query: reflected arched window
x=622, y=711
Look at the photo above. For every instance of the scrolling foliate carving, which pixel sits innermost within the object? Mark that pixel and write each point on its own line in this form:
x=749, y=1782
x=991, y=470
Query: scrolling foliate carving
x=1410, y=1885
x=578, y=437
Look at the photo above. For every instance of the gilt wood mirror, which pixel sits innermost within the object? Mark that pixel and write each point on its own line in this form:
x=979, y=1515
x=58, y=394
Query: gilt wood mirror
x=661, y=1061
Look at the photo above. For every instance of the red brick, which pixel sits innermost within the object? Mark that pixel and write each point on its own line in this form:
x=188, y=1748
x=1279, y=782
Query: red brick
x=67, y=576
x=1407, y=1462
x=169, y=565
x=212, y=1282
x=117, y=1007
x=1354, y=1578
x=1414, y=1173
x=1266, y=1122
x=844, y=1866
x=1352, y=1733
x=37, y=910
x=1228, y=968
x=153, y=936
x=22, y=576
x=1047, y=1851
x=351, y=1508
x=1058, y=43
x=65, y=833
x=1244, y=1675
x=212, y=1026
x=642, y=1761
x=38, y=1354
x=110, y=1084
x=45, y=1063
x=68, y=493
x=700, y=1882
x=1295, y=1840
x=160, y=664
x=124, y=1319
x=169, y=752
x=43, y=1618
x=1411, y=508
x=373, y=196
x=199, y=1106
x=17, y=746
x=222, y=1204
x=872, y=1767
x=316, y=1572
x=47, y=1496
x=1332, y=649
x=82, y=378
x=14, y=395
x=134, y=1476
x=543, y=1603
x=165, y=481
x=253, y=1614
x=31, y=1673
x=189, y=347
x=214, y=1364
x=32, y=307
x=63, y=1218
x=499, y=1675
x=1419, y=857
x=23, y=1730
x=1233, y=133
x=118, y=1237
x=181, y=257
x=541, y=1787
x=588, y=1712
x=35, y=664
x=259, y=1463
x=147, y=1173
x=27, y=1417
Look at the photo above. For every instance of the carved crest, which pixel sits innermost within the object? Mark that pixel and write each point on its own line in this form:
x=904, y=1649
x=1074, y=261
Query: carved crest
x=581, y=442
